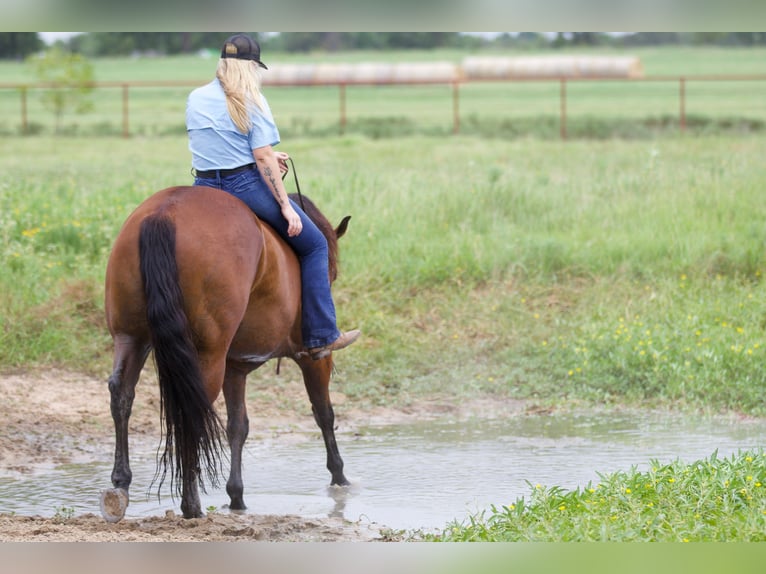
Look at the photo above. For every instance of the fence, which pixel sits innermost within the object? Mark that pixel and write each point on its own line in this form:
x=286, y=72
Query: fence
x=751, y=102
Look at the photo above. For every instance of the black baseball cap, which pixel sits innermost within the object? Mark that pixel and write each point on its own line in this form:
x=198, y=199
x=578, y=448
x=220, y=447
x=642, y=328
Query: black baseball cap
x=242, y=47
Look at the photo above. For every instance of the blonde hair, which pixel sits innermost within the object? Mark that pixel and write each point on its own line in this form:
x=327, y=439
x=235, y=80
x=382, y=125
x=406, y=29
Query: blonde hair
x=241, y=82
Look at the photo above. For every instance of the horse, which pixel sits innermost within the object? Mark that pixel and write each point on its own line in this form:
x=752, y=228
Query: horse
x=196, y=277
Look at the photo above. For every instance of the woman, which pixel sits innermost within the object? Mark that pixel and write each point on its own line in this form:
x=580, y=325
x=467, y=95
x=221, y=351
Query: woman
x=231, y=138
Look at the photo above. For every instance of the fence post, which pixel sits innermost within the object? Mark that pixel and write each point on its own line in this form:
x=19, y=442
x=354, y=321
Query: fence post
x=125, y=125
x=24, y=120
x=342, y=108
x=563, y=98
x=455, y=107
x=682, y=98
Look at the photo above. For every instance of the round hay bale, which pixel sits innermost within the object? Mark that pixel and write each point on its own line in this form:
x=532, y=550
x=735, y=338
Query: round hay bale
x=288, y=74
x=425, y=72
x=370, y=72
x=334, y=73
x=363, y=73
x=507, y=68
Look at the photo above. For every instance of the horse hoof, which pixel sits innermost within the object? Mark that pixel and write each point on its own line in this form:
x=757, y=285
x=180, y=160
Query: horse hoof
x=236, y=506
x=114, y=502
x=342, y=481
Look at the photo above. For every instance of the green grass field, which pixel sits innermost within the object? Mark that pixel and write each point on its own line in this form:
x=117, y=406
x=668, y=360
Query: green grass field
x=597, y=272
x=508, y=110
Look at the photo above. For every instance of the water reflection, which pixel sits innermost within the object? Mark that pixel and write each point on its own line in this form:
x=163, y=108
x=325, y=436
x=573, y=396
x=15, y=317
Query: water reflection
x=340, y=495
x=411, y=476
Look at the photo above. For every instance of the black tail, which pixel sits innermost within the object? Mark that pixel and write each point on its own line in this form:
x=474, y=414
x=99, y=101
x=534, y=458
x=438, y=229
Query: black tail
x=192, y=428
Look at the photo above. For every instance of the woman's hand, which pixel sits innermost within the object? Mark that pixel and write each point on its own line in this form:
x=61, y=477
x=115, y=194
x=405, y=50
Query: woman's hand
x=266, y=159
x=282, y=158
x=294, y=223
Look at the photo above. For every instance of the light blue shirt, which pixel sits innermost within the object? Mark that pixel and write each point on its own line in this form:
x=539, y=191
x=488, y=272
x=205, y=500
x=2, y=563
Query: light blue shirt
x=214, y=140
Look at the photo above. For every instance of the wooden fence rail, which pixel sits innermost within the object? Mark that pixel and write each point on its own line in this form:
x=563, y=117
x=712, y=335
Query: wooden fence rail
x=564, y=82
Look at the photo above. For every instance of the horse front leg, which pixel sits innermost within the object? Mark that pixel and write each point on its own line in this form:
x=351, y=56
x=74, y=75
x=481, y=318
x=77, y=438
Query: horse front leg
x=129, y=359
x=316, y=377
x=237, y=429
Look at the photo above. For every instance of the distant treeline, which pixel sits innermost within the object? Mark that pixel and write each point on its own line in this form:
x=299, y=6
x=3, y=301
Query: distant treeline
x=94, y=44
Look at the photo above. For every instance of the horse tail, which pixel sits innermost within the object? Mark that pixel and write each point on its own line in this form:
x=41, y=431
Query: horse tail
x=191, y=426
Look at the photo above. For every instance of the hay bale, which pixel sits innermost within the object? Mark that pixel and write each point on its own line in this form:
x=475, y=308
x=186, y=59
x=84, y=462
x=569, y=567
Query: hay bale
x=473, y=68
x=333, y=73
x=369, y=72
x=426, y=72
x=292, y=74
x=362, y=73
x=507, y=68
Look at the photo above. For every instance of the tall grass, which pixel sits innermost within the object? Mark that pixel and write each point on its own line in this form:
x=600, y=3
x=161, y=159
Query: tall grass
x=61, y=207
x=602, y=272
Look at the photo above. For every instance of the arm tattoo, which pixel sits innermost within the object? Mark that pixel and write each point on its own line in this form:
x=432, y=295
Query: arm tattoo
x=274, y=189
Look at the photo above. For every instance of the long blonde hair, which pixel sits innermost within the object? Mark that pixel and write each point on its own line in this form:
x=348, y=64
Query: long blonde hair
x=241, y=82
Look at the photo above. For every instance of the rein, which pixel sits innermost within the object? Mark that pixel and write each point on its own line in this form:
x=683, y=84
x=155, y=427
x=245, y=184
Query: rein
x=300, y=199
x=297, y=185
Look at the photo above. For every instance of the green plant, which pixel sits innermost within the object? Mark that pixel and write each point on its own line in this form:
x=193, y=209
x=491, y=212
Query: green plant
x=69, y=78
x=716, y=499
x=63, y=514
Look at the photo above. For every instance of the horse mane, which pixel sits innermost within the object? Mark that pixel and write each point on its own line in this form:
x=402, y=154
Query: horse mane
x=325, y=227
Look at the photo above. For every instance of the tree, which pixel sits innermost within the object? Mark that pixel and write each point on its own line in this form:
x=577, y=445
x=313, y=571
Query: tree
x=709, y=38
x=96, y=44
x=560, y=41
x=419, y=40
x=650, y=38
x=302, y=41
x=70, y=80
x=588, y=38
x=19, y=44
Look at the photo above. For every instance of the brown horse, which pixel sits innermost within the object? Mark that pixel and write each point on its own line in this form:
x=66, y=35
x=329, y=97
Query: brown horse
x=216, y=293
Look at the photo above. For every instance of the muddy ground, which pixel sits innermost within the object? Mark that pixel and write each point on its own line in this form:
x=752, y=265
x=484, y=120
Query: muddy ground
x=59, y=417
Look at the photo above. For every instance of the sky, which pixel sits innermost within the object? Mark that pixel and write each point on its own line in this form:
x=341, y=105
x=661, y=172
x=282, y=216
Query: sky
x=50, y=37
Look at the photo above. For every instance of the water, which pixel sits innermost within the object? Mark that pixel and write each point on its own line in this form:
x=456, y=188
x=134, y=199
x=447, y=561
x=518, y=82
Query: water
x=410, y=476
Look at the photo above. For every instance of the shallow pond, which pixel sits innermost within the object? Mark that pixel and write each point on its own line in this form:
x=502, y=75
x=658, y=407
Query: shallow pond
x=410, y=476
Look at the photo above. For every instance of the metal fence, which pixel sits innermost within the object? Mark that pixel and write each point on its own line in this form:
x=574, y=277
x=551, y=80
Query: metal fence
x=459, y=90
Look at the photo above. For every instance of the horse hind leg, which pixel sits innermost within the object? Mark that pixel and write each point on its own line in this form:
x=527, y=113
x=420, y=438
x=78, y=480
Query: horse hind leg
x=237, y=428
x=211, y=371
x=130, y=356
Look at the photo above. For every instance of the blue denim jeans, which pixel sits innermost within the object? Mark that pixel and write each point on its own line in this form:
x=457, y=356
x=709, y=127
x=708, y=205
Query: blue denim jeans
x=318, y=320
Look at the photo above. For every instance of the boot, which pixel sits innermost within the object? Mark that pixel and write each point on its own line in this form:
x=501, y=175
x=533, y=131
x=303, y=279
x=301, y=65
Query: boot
x=341, y=342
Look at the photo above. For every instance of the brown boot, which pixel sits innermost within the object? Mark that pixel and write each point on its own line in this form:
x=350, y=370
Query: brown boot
x=341, y=342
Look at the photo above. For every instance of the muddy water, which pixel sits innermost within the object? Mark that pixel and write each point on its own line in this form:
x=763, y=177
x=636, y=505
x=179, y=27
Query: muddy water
x=411, y=476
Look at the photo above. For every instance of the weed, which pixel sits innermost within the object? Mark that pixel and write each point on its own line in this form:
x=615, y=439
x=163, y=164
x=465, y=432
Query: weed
x=63, y=514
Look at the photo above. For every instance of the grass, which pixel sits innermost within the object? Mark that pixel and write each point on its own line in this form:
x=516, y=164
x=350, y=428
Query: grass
x=586, y=272
x=715, y=499
x=60, y=215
